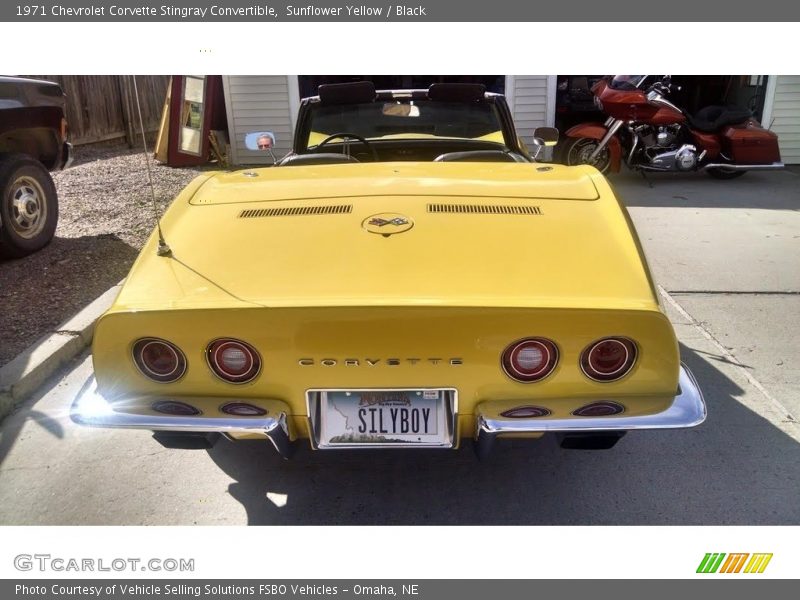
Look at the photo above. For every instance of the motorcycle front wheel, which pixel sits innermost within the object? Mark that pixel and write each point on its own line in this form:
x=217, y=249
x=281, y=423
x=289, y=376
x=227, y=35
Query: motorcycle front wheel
x=578, y=151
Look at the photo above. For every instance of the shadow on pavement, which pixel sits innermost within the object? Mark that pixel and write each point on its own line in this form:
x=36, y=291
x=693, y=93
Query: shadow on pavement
x=42, y=290
x=11, y=425
x=776, y=190
x=736, y=468
x=11, y=428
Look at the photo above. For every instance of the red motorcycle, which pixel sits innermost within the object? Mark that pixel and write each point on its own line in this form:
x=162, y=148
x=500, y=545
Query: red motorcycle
x=652, y=134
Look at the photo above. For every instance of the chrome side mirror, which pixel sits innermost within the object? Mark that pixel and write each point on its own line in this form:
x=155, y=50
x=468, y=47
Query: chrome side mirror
x=546, y=136
x=542, y=138
x=260, y=141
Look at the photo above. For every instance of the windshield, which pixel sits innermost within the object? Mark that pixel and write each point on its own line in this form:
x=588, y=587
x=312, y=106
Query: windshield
x=406, y=119
x=626, y=82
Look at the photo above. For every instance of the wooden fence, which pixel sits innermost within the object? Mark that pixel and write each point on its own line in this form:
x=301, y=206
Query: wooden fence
x=103, y=107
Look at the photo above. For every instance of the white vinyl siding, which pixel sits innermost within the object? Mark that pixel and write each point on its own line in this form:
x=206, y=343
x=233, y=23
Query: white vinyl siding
x=258, y=103
x=786, y=117
x=264, y=103
x=527, y=95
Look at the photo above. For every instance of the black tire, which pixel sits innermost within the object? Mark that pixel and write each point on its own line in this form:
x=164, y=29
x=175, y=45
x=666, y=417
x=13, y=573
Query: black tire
x=722, y=173
x=28, y=206
x=574, y=151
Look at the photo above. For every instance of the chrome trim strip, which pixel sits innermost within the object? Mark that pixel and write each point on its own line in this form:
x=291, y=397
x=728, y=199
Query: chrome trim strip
x=603, y=142
x=635, y=143
x=92, y=410
x=656, y=98
x=687, y=410
x=69, y=154
x=736, y=167
x=314, y=410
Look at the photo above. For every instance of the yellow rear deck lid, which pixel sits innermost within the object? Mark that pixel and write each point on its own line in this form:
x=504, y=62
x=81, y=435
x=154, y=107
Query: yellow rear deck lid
x=477, y=180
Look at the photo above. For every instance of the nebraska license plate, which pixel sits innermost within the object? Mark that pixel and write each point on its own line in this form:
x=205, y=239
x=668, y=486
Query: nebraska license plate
x=384, y=418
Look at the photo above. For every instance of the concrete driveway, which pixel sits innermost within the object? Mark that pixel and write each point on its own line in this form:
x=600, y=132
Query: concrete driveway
x=727, y=254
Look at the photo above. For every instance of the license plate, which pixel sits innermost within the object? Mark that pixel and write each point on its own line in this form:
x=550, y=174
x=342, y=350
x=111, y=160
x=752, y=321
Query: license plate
x=384, y=418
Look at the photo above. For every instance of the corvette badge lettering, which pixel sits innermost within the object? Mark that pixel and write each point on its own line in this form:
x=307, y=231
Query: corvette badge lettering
x=374, y=362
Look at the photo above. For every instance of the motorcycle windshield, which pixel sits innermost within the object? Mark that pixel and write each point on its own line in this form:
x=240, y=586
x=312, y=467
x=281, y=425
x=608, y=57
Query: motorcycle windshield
x=626, y=82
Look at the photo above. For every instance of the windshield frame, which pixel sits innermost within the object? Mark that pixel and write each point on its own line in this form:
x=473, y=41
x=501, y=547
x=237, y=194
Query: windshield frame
x=510, y=140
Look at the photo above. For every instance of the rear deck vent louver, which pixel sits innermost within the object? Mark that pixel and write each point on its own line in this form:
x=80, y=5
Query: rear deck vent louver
x=484, y=209
x=293, y=211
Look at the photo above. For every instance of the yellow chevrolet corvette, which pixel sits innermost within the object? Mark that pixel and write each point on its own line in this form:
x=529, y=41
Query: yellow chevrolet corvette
x=407, y=277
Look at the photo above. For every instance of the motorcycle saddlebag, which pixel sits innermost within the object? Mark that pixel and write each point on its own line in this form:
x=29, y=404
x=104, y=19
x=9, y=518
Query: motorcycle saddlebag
x=750, y=144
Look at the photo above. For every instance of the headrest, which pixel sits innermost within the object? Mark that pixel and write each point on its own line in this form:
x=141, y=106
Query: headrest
x=347, y=93
x=456, y=92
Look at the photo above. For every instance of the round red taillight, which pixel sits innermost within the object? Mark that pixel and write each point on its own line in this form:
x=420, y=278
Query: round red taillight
x=233, y=360
x=530, y=359
x=525, y=412
x=159, y=360
x=608, y=359
x=599, y=409
x=173, y=407
x=242, y=409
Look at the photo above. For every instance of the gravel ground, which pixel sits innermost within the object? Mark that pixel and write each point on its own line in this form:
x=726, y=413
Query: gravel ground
x=105, y=216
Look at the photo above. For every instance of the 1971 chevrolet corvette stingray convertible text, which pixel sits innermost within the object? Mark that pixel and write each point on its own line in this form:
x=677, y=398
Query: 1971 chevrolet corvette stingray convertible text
x=406, y=277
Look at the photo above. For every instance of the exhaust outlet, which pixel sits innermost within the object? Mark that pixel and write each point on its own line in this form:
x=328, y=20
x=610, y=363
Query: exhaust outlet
x=730, y=167
x=600, y=440
x=180, y=440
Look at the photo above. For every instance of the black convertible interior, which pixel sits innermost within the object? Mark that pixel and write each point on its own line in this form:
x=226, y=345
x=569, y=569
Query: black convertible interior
x=404, y=150
x=445, y=123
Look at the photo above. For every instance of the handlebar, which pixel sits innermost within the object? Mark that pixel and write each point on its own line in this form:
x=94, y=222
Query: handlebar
x=665, y=86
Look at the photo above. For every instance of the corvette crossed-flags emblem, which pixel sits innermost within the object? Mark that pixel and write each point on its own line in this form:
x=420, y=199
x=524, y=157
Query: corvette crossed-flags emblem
x=397, y=221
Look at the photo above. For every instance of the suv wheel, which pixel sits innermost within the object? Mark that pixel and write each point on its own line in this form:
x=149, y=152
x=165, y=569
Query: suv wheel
x=28, y=206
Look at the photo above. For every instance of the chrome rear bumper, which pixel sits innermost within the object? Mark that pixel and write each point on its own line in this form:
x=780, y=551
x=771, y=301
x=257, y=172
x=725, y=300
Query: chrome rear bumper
x=91, y=409
x=687, y=410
